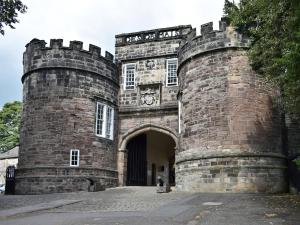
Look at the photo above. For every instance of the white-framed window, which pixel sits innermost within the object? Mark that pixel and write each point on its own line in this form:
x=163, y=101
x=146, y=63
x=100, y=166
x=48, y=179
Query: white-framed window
x=129, y=78
x=74, y=157
x=104, y=121
x=171, y=75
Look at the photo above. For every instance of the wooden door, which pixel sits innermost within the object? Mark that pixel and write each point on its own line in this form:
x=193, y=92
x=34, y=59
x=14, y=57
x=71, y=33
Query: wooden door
x=137, y=161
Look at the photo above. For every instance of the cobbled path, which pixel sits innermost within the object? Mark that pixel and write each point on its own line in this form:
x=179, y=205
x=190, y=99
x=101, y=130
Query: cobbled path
x=143, y=206
x=113, y=199
x=124, y=199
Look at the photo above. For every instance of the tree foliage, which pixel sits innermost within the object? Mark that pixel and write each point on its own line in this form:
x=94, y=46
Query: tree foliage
x=9, y=12
x=297, y=162
x=10, y=119
x=274, y=28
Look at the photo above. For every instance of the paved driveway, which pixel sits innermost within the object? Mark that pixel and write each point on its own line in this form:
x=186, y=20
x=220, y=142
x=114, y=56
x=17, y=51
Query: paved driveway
x=142, y=206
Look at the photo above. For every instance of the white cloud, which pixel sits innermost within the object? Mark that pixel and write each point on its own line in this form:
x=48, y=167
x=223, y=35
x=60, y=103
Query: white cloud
x=95, y=22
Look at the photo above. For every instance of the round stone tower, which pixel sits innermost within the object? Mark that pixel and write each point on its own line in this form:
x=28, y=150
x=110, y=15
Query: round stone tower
x=69, y=119
x=230, y=137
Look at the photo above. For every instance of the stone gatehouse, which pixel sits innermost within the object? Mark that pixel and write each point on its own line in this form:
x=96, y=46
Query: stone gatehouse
x=173, y=104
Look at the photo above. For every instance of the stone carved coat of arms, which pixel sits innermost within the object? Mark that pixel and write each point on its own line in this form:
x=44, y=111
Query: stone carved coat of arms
x=149, y=97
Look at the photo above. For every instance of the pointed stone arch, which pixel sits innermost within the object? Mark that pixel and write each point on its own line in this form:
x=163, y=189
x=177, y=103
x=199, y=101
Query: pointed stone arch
x=143, y=128
x=125, y=138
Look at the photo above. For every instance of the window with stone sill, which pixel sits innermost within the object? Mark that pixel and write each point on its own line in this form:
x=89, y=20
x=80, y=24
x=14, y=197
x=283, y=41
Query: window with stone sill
x=171, y=74
x=104, y=121
x=129, y=78
x=74, y=157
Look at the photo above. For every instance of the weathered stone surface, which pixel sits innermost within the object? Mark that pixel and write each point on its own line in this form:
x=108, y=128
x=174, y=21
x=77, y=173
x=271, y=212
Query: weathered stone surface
x=151, y=103
x=231, y=131
x=61, y=87
x=230, y=137
x=293, y=136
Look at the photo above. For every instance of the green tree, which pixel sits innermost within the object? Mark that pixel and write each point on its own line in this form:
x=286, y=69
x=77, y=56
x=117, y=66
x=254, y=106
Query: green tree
x=274, y=28
x=9, y=12
x=10, y=119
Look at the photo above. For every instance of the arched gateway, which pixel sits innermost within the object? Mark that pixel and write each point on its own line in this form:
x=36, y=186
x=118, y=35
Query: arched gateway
x=145, y=153
x=87, y=117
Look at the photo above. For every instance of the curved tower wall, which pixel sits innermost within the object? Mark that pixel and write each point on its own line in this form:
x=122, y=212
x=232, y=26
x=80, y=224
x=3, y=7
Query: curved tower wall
x=61, y=88
x=230, y=137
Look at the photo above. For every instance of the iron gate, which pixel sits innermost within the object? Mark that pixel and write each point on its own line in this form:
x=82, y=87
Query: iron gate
x=10, y=180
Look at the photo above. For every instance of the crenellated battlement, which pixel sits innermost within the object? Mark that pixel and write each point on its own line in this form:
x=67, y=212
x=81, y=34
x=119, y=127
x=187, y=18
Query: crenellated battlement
x=152, y=35
x=39, y=56
x=222, y=101
x=36, y=44
x=211, y=40
x=62, y=86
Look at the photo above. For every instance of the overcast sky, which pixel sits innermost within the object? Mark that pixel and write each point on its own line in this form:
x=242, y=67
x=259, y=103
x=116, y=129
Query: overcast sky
x=92, y=22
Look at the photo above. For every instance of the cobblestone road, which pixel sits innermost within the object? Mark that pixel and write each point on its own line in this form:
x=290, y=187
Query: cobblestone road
x=114, y=199
x=124, y=199
x=142, y=206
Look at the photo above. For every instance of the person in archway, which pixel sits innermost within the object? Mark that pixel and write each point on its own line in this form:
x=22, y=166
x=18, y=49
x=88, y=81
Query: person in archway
x=160, y=182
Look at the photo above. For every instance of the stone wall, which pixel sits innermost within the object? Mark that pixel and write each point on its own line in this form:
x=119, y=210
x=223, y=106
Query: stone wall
x=149, y=55
x=231, y=131
x=149, y=50
x=61, y=88
x=293, y=135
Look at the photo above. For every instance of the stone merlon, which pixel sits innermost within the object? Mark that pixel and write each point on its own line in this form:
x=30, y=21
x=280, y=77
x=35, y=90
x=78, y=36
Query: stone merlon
x=38, y=56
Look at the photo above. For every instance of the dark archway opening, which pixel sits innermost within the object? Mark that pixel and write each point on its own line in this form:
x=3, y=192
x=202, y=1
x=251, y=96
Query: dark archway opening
x=149, y=155
x=137, y=161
